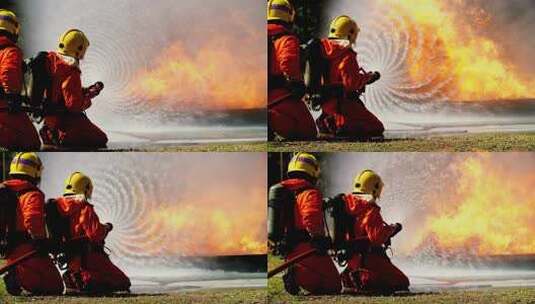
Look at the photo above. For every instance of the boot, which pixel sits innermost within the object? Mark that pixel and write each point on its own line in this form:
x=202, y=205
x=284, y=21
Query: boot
x=290, y=285
x=12, y=284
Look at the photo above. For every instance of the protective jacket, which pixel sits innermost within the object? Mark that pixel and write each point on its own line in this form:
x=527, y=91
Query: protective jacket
x=288, y=115
x=16, y=129
x=372, y=271
x=37, y=275
x=316, y=274
x=343, y=113
x=68, y=125
x=89, y=267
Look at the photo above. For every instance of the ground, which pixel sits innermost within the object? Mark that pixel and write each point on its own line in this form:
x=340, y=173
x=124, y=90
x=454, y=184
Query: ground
x=212, y=147
x=492, y=142
x=276, y=294
x=222, y=296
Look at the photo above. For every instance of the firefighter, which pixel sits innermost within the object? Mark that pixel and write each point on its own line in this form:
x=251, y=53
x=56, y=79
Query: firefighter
x=16, y=129
x=316, y=274
x=371, y=271
x=37, y=275
x=66, y=124
x=343, y=113
x=288, y=115
x=89, y=269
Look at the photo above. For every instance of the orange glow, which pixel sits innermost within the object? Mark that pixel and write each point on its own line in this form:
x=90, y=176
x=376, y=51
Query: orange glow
x=488, y=210
x=446, y=42
x=206, y=226
x=215, y=75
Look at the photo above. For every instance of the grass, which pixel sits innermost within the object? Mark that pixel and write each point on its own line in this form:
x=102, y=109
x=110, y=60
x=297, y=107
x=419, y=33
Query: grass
x=492, y=142
x=276, y=294
x=218, y=296
x=215, y=296
x=225, y=147
x=210, y=147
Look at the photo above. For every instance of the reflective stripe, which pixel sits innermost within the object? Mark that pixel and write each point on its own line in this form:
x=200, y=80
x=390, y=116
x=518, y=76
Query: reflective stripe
x=9, y=19
x=26, y=162
x=307, y=160
x=280, y=7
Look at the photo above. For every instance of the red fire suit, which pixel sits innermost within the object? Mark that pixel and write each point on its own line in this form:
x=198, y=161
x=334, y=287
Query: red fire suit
x=16, y=130
x=374, y=271
x=37, y=275
x=287, y=115
x=71, y=128
x=316, y=274
x=91, y=269
x=351, y=116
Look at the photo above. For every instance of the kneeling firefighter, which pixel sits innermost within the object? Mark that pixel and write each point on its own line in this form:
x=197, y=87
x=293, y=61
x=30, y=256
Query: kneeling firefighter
x=296, y=226
x=16, y=129
x=22, y=222
x=371, y=270
x=338, y=82
x=73, y=221
x=288, y=116
x=66, y=124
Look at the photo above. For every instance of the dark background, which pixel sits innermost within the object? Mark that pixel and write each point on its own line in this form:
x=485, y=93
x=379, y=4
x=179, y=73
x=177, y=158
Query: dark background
x=8, y=4
x=5, y=159
x=311, y=18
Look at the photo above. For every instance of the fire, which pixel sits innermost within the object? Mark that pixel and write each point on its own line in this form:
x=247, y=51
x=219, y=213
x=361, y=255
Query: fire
x=488, y=210
x=446, y=44
x=217, y=75
x=205, y=227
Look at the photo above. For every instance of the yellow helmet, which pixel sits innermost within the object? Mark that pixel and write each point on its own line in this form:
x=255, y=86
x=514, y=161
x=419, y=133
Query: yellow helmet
x=26, y=163
x=368, y=182
x=280, y=10
x=9, y=22
x=343, y=27
x=305, y=162
x=78, y=183
x=73, y=43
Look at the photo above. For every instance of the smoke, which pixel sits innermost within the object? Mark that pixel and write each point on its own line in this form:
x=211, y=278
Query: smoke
x=132, y=39
x=454, y=203
x=164, y=206
x=511, y=24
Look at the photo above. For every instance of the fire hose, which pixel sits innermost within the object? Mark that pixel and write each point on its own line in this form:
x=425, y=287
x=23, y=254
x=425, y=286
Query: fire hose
x=27, y=256
x=291, y=262
x=17, y=261
x=278, y=100
x=310, y=252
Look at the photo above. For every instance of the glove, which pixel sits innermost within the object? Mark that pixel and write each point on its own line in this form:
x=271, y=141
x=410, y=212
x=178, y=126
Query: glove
x=109, y=226
x=375, y=76
x=94, y=90
x=397, y=228
x=321, y=244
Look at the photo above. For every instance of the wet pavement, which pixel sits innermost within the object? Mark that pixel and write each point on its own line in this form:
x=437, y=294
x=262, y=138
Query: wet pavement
x=157, y=283
x=432, y=278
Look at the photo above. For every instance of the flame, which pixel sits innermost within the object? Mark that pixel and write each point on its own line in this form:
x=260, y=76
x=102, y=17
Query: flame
x=206, y=227
x=453, y=49
x=489, y=211
x=218, y=74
